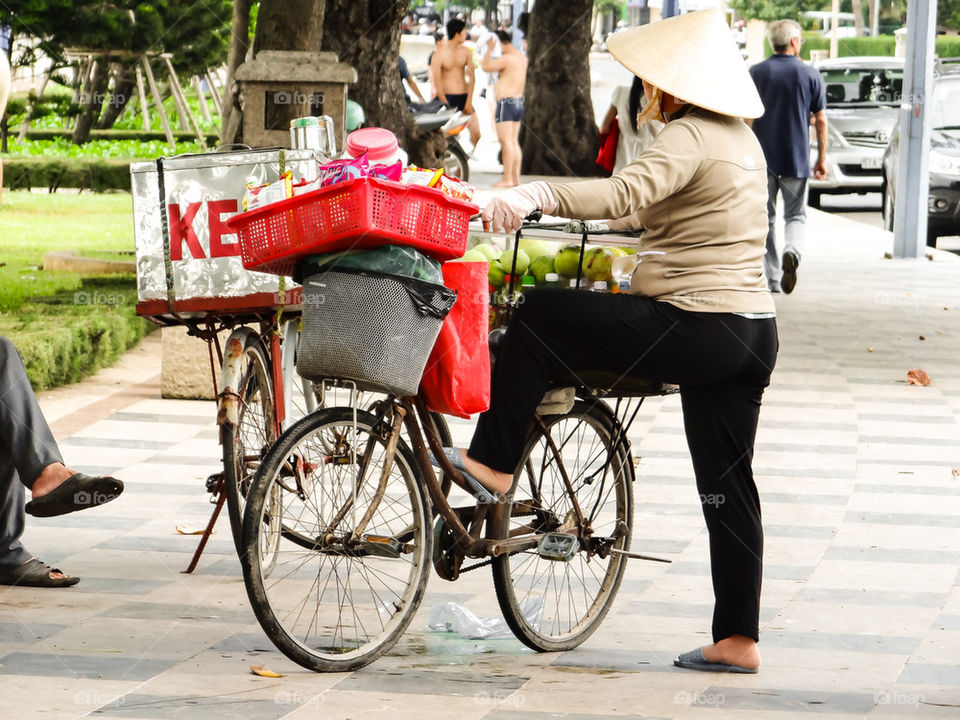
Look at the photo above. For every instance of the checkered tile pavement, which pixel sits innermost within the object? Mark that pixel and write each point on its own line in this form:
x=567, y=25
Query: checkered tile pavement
x=859, y=475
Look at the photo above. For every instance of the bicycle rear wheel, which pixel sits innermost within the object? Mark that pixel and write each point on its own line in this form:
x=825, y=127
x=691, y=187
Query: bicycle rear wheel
x=245, y=444
x=557, y=604
x=339, y=596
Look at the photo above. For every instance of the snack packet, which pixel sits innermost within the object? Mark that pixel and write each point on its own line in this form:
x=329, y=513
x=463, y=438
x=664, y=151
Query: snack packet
x=454, y=188
x=340, y=170
x=258, y=196
x=305, y=186
x=420, y=176
x=388, y=172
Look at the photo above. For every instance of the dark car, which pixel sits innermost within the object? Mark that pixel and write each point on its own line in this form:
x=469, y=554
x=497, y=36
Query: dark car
x=943, y=203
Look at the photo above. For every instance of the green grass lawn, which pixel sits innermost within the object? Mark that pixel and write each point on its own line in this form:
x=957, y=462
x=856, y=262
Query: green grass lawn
x=65, y=325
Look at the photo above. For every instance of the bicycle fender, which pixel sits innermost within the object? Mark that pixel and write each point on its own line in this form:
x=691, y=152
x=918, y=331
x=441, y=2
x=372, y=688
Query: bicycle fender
x=228, y=400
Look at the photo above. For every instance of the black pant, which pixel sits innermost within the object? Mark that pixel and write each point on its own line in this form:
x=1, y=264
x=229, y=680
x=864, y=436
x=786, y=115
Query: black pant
x=721, y=361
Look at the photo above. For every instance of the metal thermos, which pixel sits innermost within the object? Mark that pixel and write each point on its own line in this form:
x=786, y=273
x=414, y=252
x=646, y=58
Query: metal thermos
x=313, y=133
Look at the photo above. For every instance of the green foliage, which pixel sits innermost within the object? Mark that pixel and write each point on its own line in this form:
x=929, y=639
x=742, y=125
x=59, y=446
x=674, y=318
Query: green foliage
x=947, y=46
x=847, y=47
x=948, y=13
x=769, y=10
x=197, y=34
x=61, y=147
x=52, y=173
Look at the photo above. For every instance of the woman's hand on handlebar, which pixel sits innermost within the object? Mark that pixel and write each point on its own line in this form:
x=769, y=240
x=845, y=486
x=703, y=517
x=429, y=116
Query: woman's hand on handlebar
x=507, y=211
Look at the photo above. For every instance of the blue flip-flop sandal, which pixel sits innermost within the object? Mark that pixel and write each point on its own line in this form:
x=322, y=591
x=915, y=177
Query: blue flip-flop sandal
x=481, y=493
x=694, y=660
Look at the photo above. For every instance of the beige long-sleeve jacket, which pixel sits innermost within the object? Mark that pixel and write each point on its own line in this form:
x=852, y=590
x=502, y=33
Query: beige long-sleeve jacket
x=700, y=192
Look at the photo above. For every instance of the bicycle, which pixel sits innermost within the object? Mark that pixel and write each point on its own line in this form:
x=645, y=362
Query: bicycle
x=337, y=578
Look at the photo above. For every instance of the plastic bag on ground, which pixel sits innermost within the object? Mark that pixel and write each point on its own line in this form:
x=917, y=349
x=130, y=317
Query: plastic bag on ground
x=452, y=617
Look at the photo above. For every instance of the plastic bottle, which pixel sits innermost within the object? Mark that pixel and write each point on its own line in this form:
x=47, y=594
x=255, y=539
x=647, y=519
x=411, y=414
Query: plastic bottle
x=528, y=283
x=622, y=270
x=551, y=280
x=599, y=286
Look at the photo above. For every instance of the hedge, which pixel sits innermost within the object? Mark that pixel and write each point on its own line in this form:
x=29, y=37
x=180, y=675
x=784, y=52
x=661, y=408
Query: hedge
x=97, y=174
x=884, y=45
x=141, y=135
x=64, y=338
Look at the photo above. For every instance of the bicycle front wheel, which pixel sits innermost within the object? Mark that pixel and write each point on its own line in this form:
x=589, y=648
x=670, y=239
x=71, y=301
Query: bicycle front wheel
x=555, y=604
x=339, y=595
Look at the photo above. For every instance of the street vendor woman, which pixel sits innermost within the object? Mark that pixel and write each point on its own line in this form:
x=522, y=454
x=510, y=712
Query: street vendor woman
x=699, y=315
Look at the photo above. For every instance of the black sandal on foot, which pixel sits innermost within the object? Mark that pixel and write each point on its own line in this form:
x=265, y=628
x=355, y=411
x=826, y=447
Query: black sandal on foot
x=34, y=573
x=77, y=492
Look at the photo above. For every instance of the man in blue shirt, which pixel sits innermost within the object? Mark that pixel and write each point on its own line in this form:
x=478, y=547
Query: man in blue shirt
x=791, y=92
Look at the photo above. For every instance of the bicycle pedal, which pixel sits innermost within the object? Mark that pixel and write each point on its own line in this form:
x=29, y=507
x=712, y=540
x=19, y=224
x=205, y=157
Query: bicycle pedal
x=558, y=546
x=214, y=483
x=380, y=546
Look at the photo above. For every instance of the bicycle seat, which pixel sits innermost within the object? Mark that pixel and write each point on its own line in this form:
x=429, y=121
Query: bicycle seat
x=611, y=384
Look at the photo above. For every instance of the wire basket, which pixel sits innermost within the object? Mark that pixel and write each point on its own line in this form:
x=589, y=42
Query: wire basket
x=377, y=330
x=352, y=215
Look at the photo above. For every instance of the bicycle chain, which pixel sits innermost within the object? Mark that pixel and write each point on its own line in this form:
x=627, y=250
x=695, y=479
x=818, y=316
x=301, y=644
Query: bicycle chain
x=484, y=563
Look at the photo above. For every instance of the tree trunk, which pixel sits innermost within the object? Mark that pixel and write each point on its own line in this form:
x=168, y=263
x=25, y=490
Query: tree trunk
x=492, y=19
x=91, y=101
x=858, y=17
x=4, y=127
x=873, y=12
x=239, y=45
x=123, y=85
x=559, y=134
x=366, y=35
x=289, y=25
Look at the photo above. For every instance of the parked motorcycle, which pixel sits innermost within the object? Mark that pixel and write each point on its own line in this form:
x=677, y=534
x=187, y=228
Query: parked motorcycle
x=435, y=115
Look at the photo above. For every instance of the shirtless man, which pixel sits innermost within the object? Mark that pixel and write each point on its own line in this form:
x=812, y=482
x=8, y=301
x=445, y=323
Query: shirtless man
x=512, y=67
x=452, y=70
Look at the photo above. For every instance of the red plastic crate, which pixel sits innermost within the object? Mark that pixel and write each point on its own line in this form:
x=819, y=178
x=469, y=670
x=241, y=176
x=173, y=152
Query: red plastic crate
x=352, y=215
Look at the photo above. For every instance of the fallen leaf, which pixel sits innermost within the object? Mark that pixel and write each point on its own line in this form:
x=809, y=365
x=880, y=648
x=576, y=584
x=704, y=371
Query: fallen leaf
x=888, y=256
x=263, y=672
x=189, y=530
x=870, y=349
x=956, y=473
x=916, y=376
x=922, y=337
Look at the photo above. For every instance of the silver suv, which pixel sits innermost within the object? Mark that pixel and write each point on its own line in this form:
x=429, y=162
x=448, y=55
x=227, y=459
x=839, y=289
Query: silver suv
x=863, y=99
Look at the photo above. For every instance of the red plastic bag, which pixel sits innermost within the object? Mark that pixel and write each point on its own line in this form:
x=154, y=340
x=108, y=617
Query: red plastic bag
x=456, y=380
x=607, y=157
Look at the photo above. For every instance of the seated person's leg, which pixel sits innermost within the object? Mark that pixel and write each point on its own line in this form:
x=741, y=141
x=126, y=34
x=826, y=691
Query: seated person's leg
x=25, y=437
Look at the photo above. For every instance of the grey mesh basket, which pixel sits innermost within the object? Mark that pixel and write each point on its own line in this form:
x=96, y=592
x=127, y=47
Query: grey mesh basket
x=377, y=330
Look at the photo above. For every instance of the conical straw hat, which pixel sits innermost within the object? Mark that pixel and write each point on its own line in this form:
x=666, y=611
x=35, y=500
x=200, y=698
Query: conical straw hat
x=694, y=58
